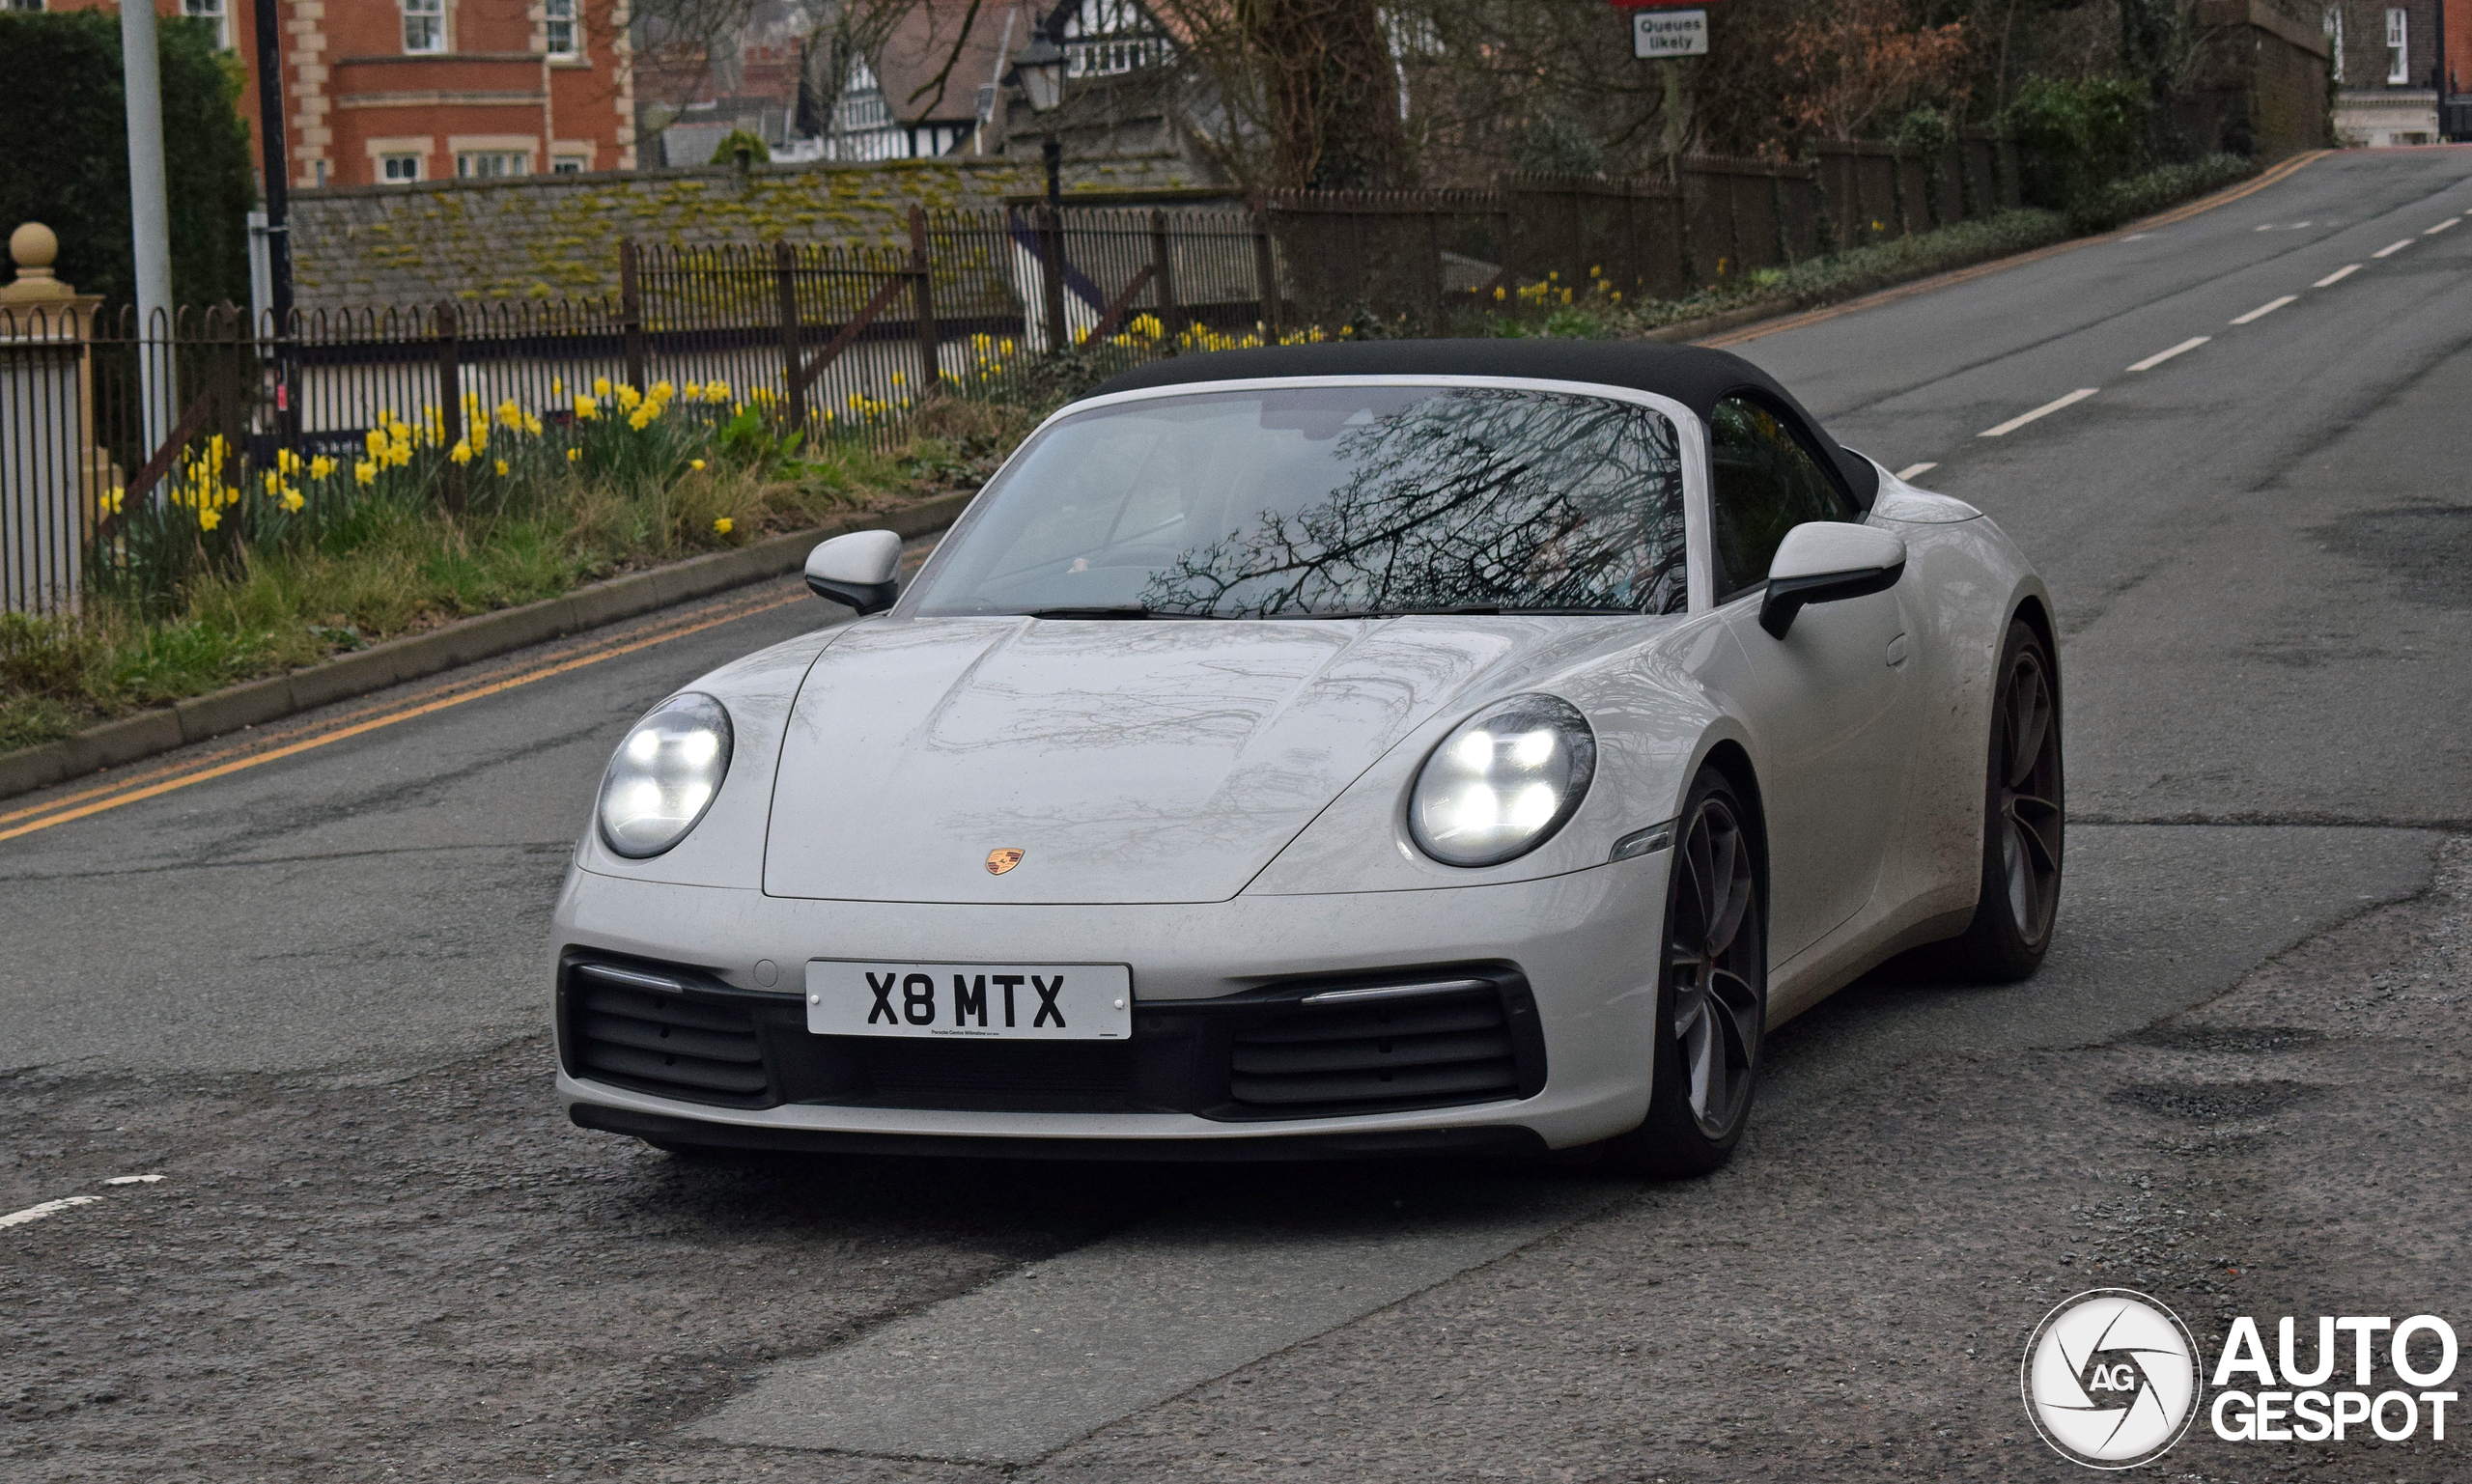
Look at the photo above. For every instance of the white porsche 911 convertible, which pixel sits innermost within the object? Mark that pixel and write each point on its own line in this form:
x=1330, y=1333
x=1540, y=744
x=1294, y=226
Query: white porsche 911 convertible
x=1341, y=750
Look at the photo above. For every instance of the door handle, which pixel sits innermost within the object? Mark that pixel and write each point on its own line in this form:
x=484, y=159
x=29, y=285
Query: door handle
x=1897, y=652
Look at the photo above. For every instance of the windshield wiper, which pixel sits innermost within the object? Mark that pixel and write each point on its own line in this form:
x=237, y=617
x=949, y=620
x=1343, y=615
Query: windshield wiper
x=1458, y=609
x=1114, y=610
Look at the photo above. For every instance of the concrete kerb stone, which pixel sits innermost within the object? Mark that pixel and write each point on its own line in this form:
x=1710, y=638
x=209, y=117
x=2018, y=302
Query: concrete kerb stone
x=253, y=703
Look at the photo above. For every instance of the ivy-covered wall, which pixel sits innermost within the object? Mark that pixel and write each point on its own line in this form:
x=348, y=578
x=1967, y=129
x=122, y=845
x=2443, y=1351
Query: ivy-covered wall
x=556, y=236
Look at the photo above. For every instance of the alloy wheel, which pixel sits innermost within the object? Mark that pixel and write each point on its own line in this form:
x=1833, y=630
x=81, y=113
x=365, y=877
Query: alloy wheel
x=2028, y=776
x=1713, y=962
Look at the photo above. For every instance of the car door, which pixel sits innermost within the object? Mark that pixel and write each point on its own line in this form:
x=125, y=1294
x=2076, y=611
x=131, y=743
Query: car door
x=1824, y=703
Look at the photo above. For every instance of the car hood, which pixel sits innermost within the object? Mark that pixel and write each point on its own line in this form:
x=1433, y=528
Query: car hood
x=1129, y=761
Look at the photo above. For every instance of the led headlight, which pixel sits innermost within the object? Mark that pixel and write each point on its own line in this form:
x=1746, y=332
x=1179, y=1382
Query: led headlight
x=1502, y=783
x=664, y=775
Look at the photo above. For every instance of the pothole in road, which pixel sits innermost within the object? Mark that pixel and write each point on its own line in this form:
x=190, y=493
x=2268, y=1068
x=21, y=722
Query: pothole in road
x=2237, y=1040
x=2428, y=549
x=2219, y=1102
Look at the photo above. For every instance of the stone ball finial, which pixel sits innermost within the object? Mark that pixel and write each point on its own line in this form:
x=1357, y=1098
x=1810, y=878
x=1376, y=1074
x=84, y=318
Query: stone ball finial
x=34, y=245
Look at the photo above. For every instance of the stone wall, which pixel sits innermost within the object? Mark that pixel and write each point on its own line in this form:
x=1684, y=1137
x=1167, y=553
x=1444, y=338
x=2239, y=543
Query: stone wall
x=556, y=236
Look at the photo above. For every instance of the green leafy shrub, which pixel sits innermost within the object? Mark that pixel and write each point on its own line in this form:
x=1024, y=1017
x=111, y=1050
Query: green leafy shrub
x=64, y=112
x=2117, y=202
x=2075, y=137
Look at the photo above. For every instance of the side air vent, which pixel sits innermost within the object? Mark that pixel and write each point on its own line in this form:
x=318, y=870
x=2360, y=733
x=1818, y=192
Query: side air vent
x=1361, y=1055
x=636, y=1030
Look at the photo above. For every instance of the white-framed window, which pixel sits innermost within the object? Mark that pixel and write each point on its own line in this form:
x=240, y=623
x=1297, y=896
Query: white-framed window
x=424, y=25
x=211, y=10
x=491, y=164
x=2398, y=44
x=569, y=164
x=560, y=28
x=399, y=169
x=20, y=5
x=2335, y=38
x=318, y=173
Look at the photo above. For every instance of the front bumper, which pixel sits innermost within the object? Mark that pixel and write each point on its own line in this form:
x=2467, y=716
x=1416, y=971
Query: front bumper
x=1572, y=960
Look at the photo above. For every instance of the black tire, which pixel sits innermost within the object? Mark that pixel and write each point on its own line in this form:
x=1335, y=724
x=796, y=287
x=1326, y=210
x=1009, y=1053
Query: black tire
x=2024, y=821
x=1712, y=992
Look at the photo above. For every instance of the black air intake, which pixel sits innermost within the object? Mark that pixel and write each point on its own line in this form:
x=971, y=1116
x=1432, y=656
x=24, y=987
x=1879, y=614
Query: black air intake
x=1337, y=1053
x=636, y=1028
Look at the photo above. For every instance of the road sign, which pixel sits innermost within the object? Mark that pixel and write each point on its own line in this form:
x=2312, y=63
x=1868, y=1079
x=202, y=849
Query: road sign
x=1670, y=32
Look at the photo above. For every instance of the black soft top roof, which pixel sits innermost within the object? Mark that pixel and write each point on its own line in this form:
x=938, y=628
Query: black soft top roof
x=1692, y=374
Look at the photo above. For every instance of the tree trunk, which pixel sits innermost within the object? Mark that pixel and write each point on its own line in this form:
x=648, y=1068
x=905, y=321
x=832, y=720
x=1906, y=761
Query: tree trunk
x=1333, y=94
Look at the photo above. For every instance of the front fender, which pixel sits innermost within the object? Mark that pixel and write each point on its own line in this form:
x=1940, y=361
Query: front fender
x=1654, y=724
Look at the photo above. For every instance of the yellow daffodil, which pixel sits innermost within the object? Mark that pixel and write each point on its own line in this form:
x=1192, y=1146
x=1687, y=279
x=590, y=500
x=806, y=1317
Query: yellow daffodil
x=320, y=466
x=292, y=499
x=586, y=410
x=629, y=398
x=600, y=386
x=110, y=502
x=716, y=392
x=697, y=465
x=208, y=517
x=532, y=425
x=663, y=390
x=366, y=472
x=463, y=453
x=377, y=441
x=723, y=525
x=694, y=390
x=574, y=454
x=501, y=466
x=557, y=387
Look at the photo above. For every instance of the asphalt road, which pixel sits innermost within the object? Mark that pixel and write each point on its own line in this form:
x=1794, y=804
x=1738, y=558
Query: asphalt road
x=308, y=994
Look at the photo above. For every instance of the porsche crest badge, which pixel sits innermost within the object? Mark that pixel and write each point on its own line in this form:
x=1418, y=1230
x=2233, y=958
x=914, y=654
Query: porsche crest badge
x=1000, y=862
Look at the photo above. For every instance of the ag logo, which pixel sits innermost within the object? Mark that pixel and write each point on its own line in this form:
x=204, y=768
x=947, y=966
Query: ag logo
x=1000, y=862
x=2111, y=1379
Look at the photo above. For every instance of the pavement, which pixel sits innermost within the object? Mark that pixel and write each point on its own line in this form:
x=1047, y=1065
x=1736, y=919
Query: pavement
x=306, y=993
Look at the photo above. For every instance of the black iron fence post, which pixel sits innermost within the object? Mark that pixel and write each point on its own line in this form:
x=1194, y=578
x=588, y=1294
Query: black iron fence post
x=1266, y=268
x=630, y=311
x=930, y=339
x=785, y=277
x=1051, y=221
x=1163, y=265
x=450, y=402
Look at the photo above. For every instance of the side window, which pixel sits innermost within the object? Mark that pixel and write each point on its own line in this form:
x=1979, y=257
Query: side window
x=1766, y=483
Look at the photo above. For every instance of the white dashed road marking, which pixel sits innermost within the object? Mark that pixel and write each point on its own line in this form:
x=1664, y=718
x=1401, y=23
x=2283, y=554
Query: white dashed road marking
x=2337, y=276
x=1912, y=469
x=2045, y=410
x=2440, y=227
x=66, y=1202
x=38, y=1213
x=2160, y=357
x=2265, y=309
x=2392, y=248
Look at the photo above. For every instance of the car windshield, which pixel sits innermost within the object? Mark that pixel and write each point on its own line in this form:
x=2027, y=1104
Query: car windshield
x=1325, y=502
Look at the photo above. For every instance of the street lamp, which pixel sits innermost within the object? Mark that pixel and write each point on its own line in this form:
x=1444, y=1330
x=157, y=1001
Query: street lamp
x=1039, y=68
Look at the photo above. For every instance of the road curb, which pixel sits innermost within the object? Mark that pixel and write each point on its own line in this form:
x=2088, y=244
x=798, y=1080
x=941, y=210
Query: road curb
x=253, y=703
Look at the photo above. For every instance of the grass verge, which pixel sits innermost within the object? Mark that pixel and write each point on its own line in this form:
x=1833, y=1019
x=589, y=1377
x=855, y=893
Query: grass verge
x=261, y=590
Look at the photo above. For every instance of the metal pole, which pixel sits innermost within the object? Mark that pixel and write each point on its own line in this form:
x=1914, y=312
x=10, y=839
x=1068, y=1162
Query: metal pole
x=150, y=218
x=1053, y=151
x=278, y=176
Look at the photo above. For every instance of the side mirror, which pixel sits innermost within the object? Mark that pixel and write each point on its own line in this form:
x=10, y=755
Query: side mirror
x=857, y=570
x=1823, y=561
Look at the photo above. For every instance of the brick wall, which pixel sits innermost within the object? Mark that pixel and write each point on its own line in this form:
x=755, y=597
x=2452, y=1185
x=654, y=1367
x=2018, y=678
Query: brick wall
x=556, y=236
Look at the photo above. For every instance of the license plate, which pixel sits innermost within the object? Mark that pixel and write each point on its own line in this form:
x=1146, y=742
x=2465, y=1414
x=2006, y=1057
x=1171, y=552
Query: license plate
x=983, y=1001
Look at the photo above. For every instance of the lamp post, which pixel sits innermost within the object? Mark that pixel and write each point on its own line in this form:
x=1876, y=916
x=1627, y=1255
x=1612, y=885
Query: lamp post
x=1039, y=68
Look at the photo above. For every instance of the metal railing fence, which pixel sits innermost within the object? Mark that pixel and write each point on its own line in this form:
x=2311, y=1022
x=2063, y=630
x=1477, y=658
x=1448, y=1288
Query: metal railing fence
x=121, y=441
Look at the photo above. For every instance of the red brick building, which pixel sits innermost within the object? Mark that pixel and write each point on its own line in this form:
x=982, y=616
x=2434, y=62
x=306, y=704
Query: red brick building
x=380, y=91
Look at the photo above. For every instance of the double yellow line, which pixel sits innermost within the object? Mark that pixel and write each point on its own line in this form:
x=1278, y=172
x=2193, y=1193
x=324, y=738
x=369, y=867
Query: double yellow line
x=276, y=743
